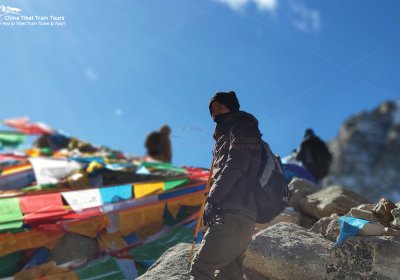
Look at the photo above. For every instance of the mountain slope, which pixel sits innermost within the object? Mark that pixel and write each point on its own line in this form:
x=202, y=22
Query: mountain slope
x=367, y=153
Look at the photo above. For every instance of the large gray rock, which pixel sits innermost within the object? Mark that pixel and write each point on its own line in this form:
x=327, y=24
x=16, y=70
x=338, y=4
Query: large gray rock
x=287, y=251
x=172, y=265
x=374, y=258
x=73, y=247
x=334, y=199
x=366, y=153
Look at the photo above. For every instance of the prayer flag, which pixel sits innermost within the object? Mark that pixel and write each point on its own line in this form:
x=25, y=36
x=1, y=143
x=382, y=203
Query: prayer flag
x=51, y=170
x=42, y=207
x=79, y=200
x=144, y=189
x=10, y=213
x=23, y=125
x=133, y=220
x=116, y=194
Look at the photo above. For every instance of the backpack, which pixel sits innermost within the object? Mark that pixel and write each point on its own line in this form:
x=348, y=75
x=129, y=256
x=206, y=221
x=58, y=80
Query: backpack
x=271, y=192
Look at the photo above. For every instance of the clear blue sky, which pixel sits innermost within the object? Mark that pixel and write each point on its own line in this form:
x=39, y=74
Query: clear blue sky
x=120, y=69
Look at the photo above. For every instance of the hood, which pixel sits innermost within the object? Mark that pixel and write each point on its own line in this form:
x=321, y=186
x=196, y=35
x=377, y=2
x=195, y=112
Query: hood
x=225, y=121
x=227, y=118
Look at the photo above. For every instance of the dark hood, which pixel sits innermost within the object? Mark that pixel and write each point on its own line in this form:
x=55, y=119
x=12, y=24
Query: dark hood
x=226, y=121
x=233, y=116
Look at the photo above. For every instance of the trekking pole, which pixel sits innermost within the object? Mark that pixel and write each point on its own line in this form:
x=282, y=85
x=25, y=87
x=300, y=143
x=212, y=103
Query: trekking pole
x=196, y=232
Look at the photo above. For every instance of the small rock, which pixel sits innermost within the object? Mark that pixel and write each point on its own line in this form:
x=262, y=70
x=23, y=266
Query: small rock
x=383, y=211
x=372, y=229
x=366, y=207
x=362, y=214
x=333, y=230
x=396, y=218
x=328, y=227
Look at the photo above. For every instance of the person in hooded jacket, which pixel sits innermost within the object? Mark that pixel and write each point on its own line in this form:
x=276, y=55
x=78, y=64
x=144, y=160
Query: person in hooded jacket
x=230, y=211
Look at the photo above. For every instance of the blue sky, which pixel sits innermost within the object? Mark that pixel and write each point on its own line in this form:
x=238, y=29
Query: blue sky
x=119, y=69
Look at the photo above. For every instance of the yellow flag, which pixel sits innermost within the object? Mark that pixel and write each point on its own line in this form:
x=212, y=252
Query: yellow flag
x=138, y=218
x=188, y=200
x=89, y=227
x=35, y=238
x=144, y=189
x=111, y=241
x=46, y=270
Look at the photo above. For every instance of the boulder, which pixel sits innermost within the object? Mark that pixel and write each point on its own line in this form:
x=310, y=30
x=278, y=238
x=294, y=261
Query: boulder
x=328, y=227
x=172, y=265
x=299, y=189
x=373, y=257
x=287, y=251
x=72, y=247
x=289, y=215
x=334, y=199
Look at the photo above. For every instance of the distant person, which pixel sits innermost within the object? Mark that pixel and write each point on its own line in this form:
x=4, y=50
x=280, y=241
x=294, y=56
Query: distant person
x=314, y=155
x=158, y=144
x=52, y=141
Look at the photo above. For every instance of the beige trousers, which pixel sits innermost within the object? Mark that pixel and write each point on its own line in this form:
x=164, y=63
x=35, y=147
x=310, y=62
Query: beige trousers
x=221, y=252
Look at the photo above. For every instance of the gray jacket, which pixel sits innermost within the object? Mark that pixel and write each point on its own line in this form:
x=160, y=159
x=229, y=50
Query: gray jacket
x=237, y=155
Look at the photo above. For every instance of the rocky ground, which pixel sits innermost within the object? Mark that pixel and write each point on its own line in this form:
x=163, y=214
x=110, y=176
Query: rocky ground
x=300, y=243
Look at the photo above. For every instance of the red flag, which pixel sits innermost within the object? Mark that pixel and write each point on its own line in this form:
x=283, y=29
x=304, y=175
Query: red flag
x=40, y=208
x=23, y=125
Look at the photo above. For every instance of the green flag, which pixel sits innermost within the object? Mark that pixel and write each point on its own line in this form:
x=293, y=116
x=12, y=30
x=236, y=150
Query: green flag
x=150, y=252
x=10, y=139
x=10, y=213
x=170, y=184
x=162, y=166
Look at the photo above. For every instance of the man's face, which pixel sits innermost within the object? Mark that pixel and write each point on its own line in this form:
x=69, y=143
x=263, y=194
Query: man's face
x=218, y=108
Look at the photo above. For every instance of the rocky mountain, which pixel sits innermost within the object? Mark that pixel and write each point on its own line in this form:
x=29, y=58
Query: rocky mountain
x=367, y=153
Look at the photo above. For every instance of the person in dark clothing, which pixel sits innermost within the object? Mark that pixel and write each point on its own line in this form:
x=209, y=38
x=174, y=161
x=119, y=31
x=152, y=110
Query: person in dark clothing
x=158, y=144
x=314, y=155
x=230, y=211
x=52, y=141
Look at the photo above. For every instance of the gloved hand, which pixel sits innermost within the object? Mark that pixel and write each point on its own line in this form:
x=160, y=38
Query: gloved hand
x=209, y=214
